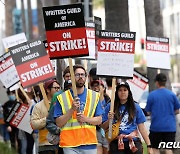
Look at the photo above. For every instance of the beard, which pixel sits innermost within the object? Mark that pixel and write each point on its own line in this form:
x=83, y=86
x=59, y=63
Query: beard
x=80, y=83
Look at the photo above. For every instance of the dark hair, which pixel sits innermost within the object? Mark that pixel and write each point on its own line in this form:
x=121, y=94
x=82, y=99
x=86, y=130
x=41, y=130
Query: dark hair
x=75, y=67
x=109, y=82
x=92, y=72
x=162, y=83
x=130, y=105
x=37, y=91
x=66, y=71
x=161, y=79
x=9, y=92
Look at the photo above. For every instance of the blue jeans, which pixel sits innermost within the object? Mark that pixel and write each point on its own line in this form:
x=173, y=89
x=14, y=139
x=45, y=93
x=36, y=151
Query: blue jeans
x=5, y=133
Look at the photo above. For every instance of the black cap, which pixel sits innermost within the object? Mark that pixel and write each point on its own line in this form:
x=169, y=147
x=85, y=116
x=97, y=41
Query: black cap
x=125, y=84
x=92, y=72
x=160, y=77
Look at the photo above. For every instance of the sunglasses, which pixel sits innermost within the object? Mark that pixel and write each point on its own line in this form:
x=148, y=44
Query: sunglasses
x=56, y=88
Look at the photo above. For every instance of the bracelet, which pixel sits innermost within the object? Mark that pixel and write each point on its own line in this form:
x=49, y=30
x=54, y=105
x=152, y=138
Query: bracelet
x=149, y=146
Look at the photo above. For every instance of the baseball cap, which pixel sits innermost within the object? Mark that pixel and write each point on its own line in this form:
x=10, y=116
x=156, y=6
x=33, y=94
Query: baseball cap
x=48, y=83
x=160, y=77
x=92, y=72
x=125, y=84
x=97, y=81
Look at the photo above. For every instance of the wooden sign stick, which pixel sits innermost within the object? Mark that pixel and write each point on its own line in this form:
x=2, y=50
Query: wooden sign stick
x=112, y=106
x=17, y=96
x=72, y=77
x=25, y=94
x=34, y=92
x=46, y=101
x=85, y=66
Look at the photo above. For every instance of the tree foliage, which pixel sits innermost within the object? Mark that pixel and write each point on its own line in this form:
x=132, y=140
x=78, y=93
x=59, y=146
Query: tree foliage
x=98, y=3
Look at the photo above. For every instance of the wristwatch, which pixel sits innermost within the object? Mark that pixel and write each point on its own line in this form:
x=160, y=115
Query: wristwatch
x=149, y=146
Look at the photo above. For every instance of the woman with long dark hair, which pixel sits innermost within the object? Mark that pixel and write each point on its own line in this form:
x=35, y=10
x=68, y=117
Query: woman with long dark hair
x=131, y=119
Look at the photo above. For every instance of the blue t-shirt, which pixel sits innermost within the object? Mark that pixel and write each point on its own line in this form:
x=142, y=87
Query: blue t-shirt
x=161, y=104
x=99, y=111
x=126, y=127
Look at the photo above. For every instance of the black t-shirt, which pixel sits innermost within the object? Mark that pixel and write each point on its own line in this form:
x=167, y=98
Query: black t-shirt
x=7, y=108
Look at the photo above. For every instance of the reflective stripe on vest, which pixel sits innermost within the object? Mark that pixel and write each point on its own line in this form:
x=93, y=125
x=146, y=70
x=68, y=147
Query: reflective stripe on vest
x=72, y=134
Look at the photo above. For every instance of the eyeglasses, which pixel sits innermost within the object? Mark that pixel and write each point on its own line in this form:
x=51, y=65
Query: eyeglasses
x=56, y=88
x=77, y=75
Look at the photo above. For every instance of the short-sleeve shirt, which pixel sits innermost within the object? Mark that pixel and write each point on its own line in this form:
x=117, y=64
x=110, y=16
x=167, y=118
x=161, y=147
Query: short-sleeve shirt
x=58, y=110
x=126, y=127
x=161, y=104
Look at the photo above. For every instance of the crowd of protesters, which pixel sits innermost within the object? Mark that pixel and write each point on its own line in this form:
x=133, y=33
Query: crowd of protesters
x=77, y=124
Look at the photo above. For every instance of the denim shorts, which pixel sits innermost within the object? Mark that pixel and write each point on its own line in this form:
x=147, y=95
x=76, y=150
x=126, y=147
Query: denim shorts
x=102, y=141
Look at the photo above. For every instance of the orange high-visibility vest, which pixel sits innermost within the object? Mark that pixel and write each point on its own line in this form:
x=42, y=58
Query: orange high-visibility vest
x=73, y=133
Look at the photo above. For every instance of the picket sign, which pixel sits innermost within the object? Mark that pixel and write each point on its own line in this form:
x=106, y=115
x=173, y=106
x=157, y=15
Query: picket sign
x=112, y=106
x=72, y=77
x=46, y=101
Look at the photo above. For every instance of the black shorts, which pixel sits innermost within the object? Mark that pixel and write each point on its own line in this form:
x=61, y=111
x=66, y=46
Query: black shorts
x=157, y=137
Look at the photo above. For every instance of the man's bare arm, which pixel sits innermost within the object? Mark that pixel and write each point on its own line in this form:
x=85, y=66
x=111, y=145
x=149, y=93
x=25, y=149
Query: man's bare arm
x=62, y=120
x=91, y=120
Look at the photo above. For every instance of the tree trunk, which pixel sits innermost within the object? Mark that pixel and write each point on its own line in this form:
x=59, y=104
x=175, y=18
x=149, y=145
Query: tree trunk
x=117, y=16
x=154, y=27
x=9, y=6
x=61, y=65
x=41, y=28
x=23, y=17
x=30, y=27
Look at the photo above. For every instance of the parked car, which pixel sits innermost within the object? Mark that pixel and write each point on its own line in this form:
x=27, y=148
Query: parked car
x=143, y=100
x=176, y=89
